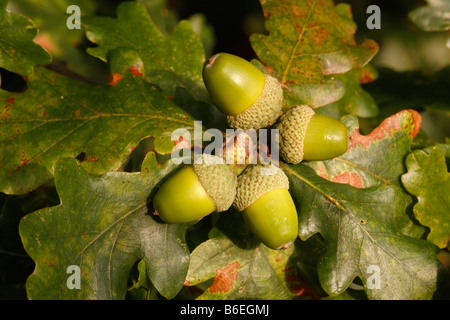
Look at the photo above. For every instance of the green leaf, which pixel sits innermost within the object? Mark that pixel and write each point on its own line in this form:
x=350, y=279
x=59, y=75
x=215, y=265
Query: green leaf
x=432, y=17
x=388, y=144
x=142, y=288
x=18, y=52
x=243, y=268
x=64, y=44
x=170, y=62
x=164, y=16
x=358, y=227
x=428, y=179
x=57, y=116
x=356, y=100
x=103, y=226
x=308, y=44
x=375, y=159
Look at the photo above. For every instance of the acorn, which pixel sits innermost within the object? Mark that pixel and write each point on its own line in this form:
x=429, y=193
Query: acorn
x=249, y=98
x=267, y=206
x=305, y=135
x=195, y=191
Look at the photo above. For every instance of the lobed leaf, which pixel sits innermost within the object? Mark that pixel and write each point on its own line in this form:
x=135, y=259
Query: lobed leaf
x=65, y=45
x=310, y=42
x=428, y=179
x=170, y=61
x=359, y=229
x=243, y=268
x=376, y=159
x=104, y=226
x=432, y=17
x=57, y=117
x=18, y=52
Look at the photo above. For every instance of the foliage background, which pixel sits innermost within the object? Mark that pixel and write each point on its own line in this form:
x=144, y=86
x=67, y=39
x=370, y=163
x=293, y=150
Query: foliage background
x=411, y=71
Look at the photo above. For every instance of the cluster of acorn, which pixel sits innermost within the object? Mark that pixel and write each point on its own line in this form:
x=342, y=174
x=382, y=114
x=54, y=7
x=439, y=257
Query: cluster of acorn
x=251, y=99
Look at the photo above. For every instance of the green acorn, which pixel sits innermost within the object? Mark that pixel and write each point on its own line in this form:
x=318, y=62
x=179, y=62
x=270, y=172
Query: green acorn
x=267, y=206
x=196, y=191
x=305, y=135
x=250, y=99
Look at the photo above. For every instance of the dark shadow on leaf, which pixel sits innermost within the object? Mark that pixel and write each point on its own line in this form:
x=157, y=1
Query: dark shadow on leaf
x=210, y=116
x=303, y=280
x=81, y=156
x=231, y=224
x=12, y=82
x=442, y=283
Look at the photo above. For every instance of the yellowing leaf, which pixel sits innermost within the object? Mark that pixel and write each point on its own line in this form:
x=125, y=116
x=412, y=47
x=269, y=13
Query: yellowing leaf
x=311, y=50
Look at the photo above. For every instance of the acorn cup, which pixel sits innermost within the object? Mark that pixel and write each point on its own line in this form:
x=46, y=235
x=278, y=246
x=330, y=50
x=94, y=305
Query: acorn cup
x=249, y=98
x=305, y=135
x=267, y=206
x=195, y=191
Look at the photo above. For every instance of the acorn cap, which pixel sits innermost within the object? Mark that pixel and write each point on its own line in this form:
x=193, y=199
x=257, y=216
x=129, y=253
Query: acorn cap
x=292, y=126
x=264, y=111
x=218, y=180
x=255, y=181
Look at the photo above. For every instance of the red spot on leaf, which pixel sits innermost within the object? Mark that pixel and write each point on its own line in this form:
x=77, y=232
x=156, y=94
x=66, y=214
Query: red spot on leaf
x=11, y=100
x=23, y=161
x=4, y=114
x=92, y=159
x=322, y=173
x=386, y=128
x=136, y=70
x=180, y=139
x=78, y=113
x=352, y=179
x=366, y=77
x=268, y=69
x=296, y=285
x=372, y=46
x=224, y=278
x=115, y=79
x=181, y=143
